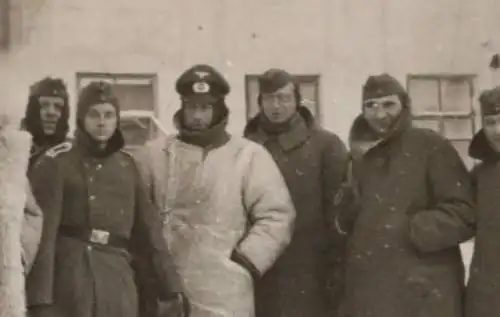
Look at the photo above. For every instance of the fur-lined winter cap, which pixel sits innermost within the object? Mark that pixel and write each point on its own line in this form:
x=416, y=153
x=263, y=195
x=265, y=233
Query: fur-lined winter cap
x=48, y=86
x=490, y=101
x=96, y=92
x=274, y=79
x=382, y=85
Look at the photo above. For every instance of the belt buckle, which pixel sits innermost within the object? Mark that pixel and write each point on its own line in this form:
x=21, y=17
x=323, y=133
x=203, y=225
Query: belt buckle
x=99, y=236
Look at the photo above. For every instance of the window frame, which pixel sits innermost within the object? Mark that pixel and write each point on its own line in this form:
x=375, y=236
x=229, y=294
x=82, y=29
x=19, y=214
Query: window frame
x=300, y=78
x=442, y=116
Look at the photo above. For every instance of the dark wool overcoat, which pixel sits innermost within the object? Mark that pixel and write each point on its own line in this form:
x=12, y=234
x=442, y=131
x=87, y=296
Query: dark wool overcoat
x=415, y=207
x=483, y=288
x=307, y=279
x=80, y=279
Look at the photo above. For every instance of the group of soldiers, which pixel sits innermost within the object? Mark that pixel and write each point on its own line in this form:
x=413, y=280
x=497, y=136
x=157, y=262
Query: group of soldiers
x=282, y=221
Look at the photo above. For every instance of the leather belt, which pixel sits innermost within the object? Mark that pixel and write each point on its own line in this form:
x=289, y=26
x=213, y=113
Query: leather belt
x=95, y=236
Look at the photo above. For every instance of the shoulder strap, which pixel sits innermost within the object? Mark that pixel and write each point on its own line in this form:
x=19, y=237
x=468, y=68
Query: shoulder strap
x=58, y=149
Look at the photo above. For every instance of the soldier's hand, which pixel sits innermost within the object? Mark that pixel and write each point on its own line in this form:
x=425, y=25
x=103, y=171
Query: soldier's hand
x=178, y=306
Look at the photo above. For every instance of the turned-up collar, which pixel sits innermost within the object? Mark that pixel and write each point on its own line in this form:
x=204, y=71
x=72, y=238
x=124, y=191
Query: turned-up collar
x=297, y=134
x=211, y=138
x=362, y=138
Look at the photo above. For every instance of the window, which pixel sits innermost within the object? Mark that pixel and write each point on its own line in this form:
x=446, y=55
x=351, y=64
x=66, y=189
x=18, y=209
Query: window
x=139, y=127
x=137, y=95
x=444, y=103
x=309, y=88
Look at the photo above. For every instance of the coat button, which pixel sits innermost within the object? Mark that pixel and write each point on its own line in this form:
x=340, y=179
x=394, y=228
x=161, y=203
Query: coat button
x=89, y=248
x=99, y=166
x=92, y=197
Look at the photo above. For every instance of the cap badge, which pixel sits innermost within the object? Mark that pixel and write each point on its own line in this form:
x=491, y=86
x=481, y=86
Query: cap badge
x=201, y=74
x=201, y=87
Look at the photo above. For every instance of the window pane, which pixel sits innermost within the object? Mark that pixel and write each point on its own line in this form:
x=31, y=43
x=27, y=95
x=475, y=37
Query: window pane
x=253, y=92
x=308, y=92
x=427, y=124
x=135, y=97
x=139, y=81
x=84, y=81
x=458, y=128
x=463, y=149
x=424, y=94
x=455, y=94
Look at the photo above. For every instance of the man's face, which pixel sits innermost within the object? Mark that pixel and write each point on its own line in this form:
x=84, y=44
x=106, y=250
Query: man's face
x=101, y=121
x=491, y=125
x=382, y=113
x=51, y=109
x=279, y=106
x=198, y=116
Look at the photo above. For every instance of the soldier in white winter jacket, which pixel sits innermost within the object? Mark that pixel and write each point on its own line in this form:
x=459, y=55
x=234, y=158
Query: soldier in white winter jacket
x=226, y=209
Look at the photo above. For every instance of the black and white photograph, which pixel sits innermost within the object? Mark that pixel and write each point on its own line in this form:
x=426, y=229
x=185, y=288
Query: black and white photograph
x=265, y=158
